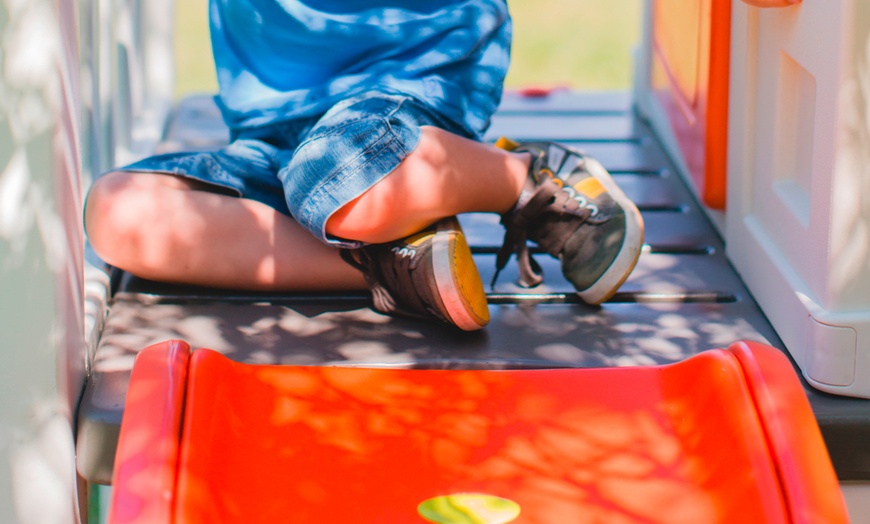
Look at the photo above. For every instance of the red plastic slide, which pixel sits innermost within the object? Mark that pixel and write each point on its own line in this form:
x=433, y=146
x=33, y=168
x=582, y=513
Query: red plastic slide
x=725, y=436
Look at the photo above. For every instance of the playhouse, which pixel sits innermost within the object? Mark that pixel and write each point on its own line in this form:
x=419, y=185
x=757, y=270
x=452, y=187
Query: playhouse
x=729, y=378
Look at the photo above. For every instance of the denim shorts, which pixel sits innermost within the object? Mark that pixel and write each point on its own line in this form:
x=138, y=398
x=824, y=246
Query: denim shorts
x=310, y=167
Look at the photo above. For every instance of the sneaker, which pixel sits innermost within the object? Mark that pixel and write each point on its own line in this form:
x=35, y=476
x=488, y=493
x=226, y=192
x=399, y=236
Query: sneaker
x=573, y=209
x=428, y=274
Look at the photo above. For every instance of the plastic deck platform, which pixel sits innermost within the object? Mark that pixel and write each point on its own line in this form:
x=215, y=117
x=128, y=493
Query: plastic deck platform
x=684, y=297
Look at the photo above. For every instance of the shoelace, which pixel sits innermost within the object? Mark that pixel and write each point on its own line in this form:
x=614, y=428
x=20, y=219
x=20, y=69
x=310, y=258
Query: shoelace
x=381, y=298
x=396, y=277
x=548, y=194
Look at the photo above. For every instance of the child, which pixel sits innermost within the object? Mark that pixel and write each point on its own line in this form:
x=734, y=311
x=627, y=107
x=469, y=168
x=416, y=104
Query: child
x=354, y=144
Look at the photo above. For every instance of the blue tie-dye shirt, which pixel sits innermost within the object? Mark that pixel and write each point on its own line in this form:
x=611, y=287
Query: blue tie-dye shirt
x=282, y=59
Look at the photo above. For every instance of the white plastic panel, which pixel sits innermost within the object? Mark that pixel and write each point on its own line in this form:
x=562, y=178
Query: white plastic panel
x=798, y=218
x=857, y=495
x=831, y=359
x=794, y=90
x=794, y=134
x=41, y=261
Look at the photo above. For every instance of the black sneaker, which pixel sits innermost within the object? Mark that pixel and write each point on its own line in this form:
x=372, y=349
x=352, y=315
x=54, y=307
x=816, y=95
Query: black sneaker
x=573, y=209
x=428, y=274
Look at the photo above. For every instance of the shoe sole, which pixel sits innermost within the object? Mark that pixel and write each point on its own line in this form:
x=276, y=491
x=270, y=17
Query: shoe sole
x=457, y=281
x=626, y=259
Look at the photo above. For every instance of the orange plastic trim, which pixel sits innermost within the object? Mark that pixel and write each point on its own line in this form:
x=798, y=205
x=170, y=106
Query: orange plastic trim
x=715, y=188
x=811, y=489
x=147, y=457
x=691, y=61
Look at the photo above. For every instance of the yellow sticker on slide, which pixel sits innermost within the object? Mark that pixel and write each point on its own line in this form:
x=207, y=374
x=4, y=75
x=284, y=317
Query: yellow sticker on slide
x=469, y=508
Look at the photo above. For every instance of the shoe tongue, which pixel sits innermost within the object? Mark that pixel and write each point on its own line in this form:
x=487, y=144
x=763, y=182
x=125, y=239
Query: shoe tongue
x=554, y=158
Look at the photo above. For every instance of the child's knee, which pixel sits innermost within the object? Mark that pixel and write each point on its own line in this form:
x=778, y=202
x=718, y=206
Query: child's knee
x=383, y=213
x=102, y=202
x=115, y=210
x=353, y=222
x=399, y=204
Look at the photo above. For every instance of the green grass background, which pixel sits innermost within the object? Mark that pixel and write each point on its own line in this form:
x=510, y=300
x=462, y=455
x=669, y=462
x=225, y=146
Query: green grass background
x=584, y=44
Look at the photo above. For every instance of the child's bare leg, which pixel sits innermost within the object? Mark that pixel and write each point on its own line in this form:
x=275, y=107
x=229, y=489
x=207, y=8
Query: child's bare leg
x=166, y=228
x=445, y=175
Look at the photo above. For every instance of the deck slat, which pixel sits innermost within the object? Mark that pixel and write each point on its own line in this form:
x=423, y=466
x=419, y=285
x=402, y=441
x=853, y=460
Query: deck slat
x=535, y=335
x=589, y=128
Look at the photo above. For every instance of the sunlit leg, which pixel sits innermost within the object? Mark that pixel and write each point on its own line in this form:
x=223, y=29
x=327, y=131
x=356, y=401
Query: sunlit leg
x=445, y=175
x=165, y=228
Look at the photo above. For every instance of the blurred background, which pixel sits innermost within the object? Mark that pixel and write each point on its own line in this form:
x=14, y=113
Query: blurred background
x=584, y=44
